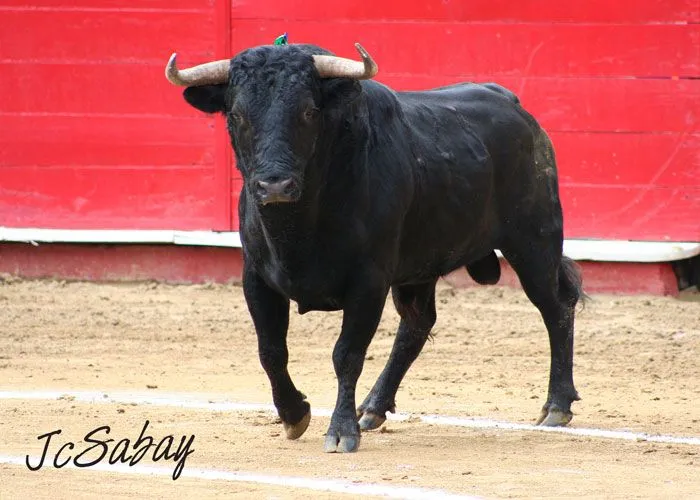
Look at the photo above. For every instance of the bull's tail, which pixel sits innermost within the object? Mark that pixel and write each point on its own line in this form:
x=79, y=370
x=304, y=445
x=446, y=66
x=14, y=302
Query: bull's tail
x=570, y=279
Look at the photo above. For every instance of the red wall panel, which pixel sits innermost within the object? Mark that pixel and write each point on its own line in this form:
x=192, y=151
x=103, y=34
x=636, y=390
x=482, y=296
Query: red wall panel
x=123, y=6
x=498, y=49
x=65, y=140
x=635, y=212
x=452, y=11
x=93, y=136
x=99, y=36
x=124, y=197
x=91, y=88
x=613, y=159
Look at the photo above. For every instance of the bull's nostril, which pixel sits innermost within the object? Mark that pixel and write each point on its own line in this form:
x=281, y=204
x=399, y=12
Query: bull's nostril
x=274, y=187
x=283, y=185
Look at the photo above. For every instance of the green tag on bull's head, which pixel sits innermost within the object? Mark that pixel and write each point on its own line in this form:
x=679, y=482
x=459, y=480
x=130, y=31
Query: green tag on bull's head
x=281, y=40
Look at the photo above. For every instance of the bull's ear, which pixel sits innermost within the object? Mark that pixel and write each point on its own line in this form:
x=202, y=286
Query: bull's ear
x=207, y=98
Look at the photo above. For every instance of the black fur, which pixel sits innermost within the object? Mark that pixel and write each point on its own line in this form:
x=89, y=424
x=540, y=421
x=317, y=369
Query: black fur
x=393, y=190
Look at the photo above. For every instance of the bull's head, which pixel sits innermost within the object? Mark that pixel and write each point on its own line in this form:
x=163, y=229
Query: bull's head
x=277, y=101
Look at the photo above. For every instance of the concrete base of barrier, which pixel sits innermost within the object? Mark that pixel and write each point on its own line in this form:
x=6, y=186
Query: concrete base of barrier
x=199, y=264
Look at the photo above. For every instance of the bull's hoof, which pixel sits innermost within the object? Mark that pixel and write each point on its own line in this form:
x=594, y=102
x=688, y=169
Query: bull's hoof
x=370, y=421
x=554, y=417
x=295, y=431
x=342, y=444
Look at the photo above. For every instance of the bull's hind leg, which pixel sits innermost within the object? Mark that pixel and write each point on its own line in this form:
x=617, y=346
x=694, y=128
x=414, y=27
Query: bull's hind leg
x=416, y=306
x=553, y=285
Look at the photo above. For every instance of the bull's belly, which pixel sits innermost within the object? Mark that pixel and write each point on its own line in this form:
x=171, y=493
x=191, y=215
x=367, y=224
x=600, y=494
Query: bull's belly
x=304, y=306
x=312, y=300
x=419, y=267
x=427, y=272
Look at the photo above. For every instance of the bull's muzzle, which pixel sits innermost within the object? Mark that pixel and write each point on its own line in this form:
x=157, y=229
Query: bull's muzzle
x=284, y=191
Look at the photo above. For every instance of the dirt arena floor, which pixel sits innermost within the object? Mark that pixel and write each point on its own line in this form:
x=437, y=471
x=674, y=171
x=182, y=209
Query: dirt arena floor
x=637, y=368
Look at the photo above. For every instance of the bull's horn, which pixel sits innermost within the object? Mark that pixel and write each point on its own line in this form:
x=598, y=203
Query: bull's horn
x=335, y=67
x=209, y=73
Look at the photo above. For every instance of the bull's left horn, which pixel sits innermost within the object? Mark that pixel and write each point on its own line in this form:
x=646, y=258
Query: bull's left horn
x=339, y=67
x=209, y=73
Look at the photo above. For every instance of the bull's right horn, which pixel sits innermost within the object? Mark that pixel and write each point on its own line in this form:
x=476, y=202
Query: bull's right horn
x=210, y=73
x=335, y=67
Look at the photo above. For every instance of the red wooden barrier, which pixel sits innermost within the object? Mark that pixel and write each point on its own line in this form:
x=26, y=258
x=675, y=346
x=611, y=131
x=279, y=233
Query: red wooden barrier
x=615, y=83
x=92, y=136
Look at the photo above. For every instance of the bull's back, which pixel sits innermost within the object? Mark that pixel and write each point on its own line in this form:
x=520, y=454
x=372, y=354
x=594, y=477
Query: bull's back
x=491, y=110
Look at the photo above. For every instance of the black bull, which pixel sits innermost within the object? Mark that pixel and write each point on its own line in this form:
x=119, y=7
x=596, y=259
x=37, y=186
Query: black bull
x=352, y=189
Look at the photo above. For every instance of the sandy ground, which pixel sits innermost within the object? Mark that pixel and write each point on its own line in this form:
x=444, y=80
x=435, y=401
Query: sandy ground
x=636, y=368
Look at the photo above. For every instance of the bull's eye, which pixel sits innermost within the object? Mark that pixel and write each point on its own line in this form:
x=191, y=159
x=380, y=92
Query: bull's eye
x=310, y=114
x=237, y=118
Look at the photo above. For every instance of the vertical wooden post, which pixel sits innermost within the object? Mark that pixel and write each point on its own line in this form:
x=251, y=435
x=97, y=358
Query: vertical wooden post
x=224, y=215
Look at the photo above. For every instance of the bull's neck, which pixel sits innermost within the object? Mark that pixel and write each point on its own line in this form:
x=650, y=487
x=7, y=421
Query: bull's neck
x=292, y=230
x=285, y=222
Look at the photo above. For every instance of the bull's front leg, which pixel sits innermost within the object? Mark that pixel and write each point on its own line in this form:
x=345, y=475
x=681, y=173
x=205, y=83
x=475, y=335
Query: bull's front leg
x=361, y=316
x=270, y=313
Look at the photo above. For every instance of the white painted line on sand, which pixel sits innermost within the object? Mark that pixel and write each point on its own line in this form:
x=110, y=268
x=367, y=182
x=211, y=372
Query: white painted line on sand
x=481, y=423
x=195, y=401
x=327, y=485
